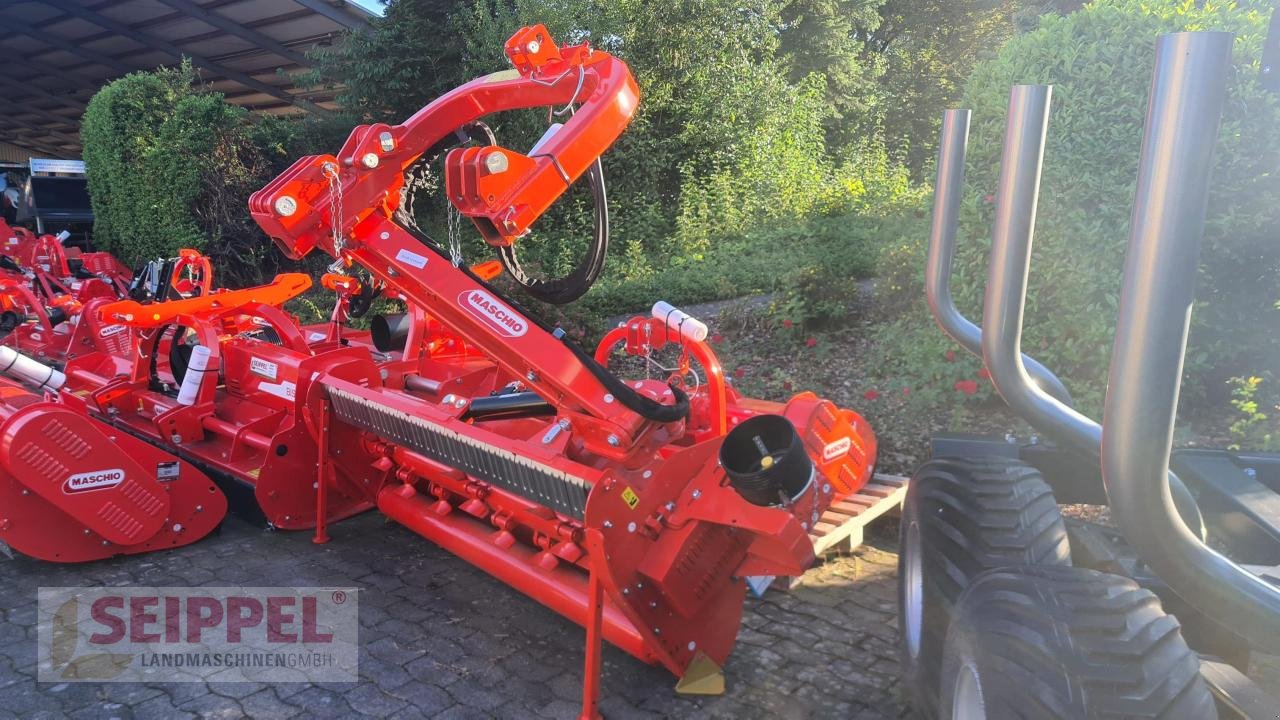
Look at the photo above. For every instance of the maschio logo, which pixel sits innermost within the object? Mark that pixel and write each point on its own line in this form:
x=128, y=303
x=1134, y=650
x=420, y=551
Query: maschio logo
x=170, y=634
x=94, y=480
x=494, y=312
x=836, y=448
x=110, y=330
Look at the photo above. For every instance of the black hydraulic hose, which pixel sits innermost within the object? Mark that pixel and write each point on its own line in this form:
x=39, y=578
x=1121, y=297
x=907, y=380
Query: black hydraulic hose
x=564, y=290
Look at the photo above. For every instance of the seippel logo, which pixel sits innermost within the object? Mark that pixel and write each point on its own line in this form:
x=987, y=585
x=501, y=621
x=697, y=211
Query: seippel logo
x=95, y=480
x=494, y=312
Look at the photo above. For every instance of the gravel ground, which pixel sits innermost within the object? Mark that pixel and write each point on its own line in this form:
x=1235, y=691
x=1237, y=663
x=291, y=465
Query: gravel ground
x=439, y=638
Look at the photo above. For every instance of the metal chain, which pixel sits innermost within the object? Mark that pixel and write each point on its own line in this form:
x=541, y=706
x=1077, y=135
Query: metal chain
x=330, y=171
x=455, y=234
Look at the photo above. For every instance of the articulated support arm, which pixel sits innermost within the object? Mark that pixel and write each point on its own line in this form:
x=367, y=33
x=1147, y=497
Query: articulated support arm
x=503, y=191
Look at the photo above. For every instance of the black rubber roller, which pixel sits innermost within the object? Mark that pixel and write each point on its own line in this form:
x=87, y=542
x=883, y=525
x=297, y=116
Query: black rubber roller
x=766, y=461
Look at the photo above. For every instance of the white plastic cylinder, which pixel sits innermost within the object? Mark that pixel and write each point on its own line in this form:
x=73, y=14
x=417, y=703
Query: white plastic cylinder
x=679, y=321
x=63, y=236
x=196, y=367
x=29, y=370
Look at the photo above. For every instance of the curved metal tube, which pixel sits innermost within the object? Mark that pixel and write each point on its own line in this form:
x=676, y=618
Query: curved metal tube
x=942, y=248
x=1007, y=274
x=1187, y=92
x=1002, y=312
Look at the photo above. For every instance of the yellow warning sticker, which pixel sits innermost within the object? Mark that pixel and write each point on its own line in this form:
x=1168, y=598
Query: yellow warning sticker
x=630, y=497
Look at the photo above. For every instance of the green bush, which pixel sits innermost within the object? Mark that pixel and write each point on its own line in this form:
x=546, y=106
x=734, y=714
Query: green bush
x=171, y=165
x=1099, y=61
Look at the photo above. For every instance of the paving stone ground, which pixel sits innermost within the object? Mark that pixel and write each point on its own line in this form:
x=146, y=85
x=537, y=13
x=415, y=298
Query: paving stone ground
x=440, y=638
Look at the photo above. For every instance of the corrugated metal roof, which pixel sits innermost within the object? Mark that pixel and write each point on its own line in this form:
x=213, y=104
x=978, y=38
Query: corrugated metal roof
x=54, y=54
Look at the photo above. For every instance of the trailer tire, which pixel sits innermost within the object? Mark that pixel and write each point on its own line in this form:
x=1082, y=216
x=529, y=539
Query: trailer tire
x=962, y=517
x=1068, y=643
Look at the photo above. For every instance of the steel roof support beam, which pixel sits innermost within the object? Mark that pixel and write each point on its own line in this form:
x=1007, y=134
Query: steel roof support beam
x=231, y=27
x=165, y=46
x=71, y=47
x=343, y=18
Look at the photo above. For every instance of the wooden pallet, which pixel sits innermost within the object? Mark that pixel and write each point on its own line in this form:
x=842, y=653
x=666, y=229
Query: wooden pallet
x=840, y=529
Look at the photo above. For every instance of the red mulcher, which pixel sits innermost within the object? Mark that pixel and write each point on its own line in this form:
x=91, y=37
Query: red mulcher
x=638, y=508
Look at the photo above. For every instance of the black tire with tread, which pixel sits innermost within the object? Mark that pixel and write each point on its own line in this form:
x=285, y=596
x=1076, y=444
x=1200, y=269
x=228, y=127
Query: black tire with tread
x=1067, y=643
x=973, y=515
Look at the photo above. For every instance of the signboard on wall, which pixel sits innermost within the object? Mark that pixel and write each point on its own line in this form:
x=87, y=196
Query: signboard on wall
x=48, y=165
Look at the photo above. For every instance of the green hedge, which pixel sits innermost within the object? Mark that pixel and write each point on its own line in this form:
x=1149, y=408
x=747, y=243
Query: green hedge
x=1099, y=61
x=171, y=165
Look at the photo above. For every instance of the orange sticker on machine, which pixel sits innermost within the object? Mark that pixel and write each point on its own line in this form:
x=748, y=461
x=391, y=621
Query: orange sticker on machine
x=630, y=497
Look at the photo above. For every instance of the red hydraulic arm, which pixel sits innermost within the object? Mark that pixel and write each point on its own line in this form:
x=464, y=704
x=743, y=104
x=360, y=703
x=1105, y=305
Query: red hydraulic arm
x=344, y=205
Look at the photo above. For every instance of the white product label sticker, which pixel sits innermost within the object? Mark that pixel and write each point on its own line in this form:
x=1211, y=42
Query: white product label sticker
x=265, y=368
x=494, y=312
x=316, y=337
x=168, y=470
x=408, y=257
x=287, y=389
x=836, y=448
x=93, y=480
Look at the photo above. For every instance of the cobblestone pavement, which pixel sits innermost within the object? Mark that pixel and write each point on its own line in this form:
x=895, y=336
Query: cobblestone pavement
x=440, y=638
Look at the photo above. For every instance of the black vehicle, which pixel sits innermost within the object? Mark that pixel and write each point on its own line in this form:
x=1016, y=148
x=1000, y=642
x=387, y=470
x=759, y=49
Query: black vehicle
x=1008, y=609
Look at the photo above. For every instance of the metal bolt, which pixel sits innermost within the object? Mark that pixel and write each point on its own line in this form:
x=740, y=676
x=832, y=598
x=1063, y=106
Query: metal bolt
x=177, y=527
x=653, y=604
x=448, y=399
x=696, y=494
x=531, y=376
x=385, y=235
x=631, y=527
x=285, y=206
x=386, y=142
x=1266, y=69
x=496, y=162
x=826, y=488
x=657, y=631
x=199, y=508
x=459, y=403
x=1251, y=472
x=626, y=591
x=370, y=160
x=671, y=506
x=533, y=47
x=608, y=398
x=614, y=441
x=608, y=524
x=647, y=474
x=176, y=438
x=86, y=531
x=692, y=645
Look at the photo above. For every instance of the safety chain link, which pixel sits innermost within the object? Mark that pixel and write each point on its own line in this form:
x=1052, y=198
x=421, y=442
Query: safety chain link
x=330, y=171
